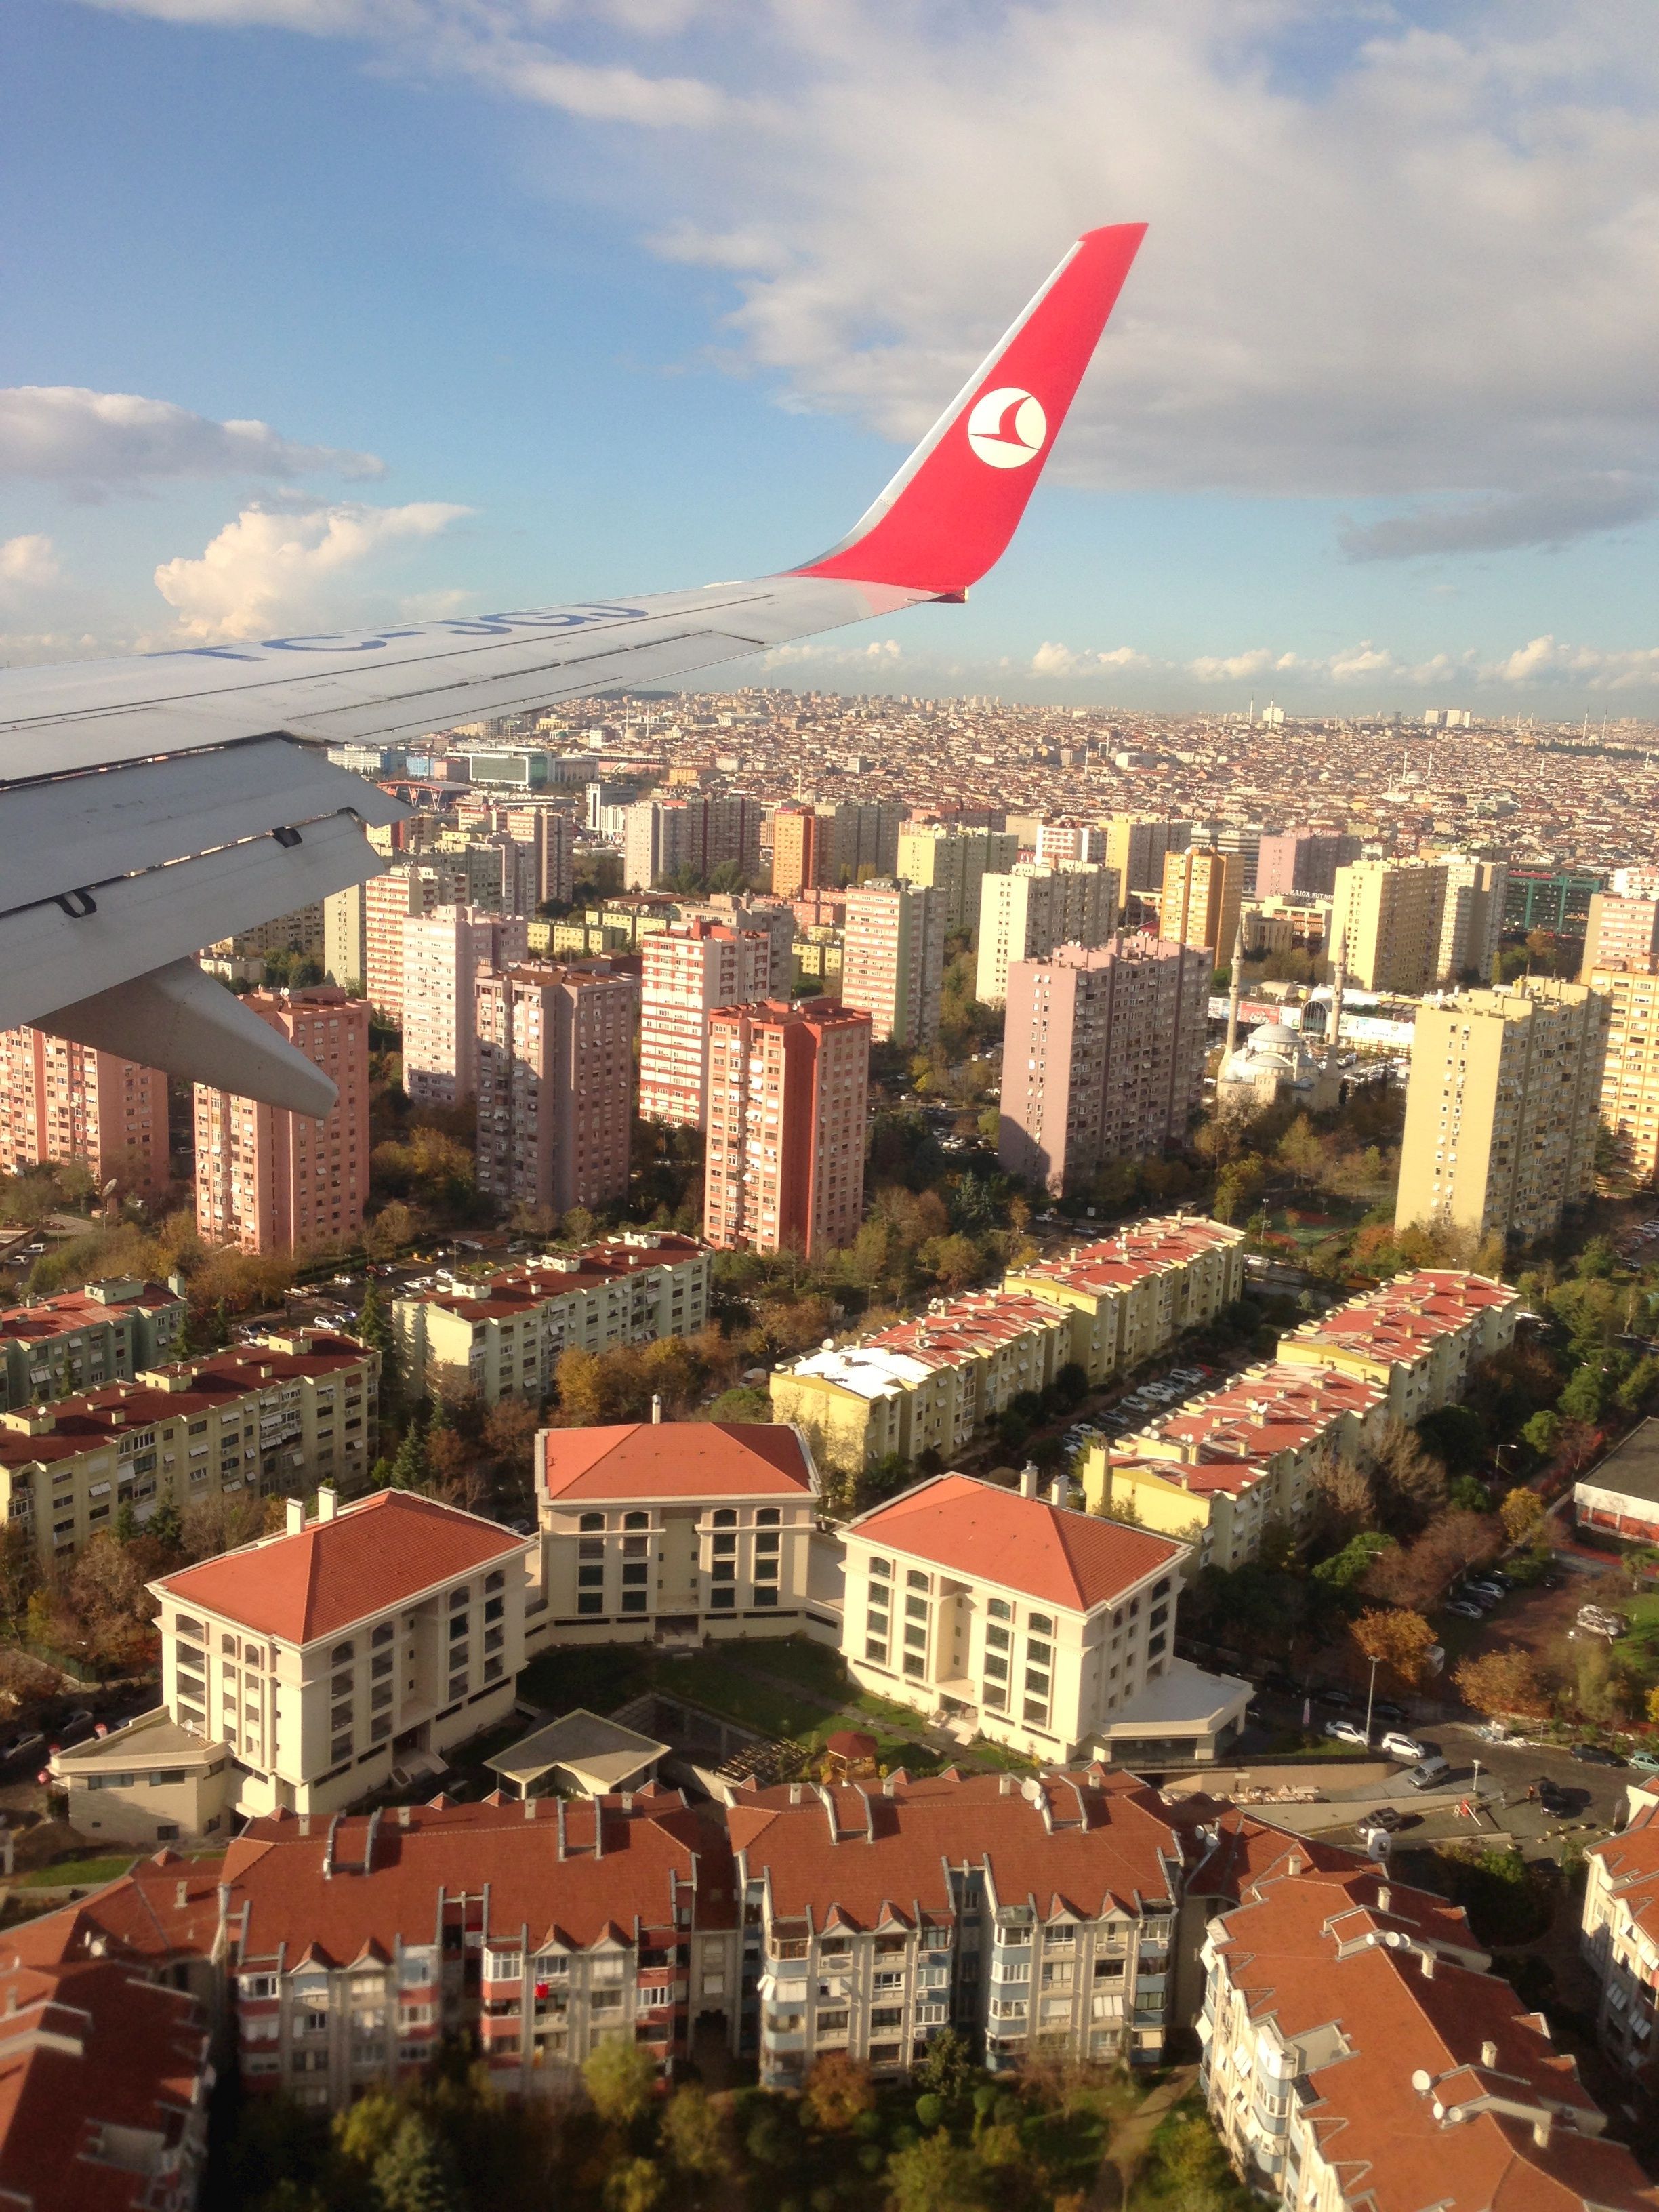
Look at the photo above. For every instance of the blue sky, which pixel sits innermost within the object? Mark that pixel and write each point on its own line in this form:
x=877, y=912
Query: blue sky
x=542, y=299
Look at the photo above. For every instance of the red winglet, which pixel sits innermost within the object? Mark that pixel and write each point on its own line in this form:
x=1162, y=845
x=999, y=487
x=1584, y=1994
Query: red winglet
x=948, y=514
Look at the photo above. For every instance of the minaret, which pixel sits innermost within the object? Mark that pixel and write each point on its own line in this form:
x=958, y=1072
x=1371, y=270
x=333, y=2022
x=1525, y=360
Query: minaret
x=1337, y=988
x=1233, y=989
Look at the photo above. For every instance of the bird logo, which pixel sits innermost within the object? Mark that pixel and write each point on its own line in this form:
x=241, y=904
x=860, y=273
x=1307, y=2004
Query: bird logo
x=1007, y=427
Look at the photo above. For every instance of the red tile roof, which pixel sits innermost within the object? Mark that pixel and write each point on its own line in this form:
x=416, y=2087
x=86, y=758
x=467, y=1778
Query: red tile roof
x=675, y=1459
x=369, y=1557
x=1022, y=1544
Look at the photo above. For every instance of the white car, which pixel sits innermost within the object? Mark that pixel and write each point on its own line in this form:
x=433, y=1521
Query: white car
x=1347, y=1732
x=1405, y=1748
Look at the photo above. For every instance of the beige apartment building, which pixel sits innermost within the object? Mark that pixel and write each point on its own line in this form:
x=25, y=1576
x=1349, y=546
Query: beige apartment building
x=1200, y=900
x=893, y=960
x=409, y=888
x=554, y=1079
x=269, y=1180
x=105, y=1333
x=1025, y=912
x=502, y=1334
x=1472, y=919
x=1620, y=932
x=1502, y=1108
x=61, y=1102
x=1049, y=1630
x=796, y=845
x=1103, y=1056
x=668, y=1532
x=1390, y=917
x=1419, y=1337
x=689, y=971
x=1136, y=846
x=364, y=1642
x=292, y=1409
x=788, y=1100
x=445, y=953
x=1630, y=1082
x=1620, y=1941
x=952, y=863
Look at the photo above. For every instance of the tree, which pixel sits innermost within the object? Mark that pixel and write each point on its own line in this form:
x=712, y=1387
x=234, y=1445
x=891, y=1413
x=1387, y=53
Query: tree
x=1457, y=1436
x=375, y=1330
x=634, y=2184
x=1301, y=1151
x=693, y=2133
x=411, y=1469
x=838, y=2090
x=1411, y=1484
x=1541, y=1432
x=1397, y=1639
x=936, y=2175
x=1585, y=1392
x=415, y=2172
x=620, y=2078
x=1500, y=1682
x=391, y=1231
x=106, y=1589
x=1522, y=1514
x=1343, y=1489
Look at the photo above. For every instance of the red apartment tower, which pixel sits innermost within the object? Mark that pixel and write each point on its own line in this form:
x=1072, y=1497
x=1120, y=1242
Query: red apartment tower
x=1103, y=1057
x=788, y=1093
x=271, y=1181
x=555, y=1082
x=61, y=1102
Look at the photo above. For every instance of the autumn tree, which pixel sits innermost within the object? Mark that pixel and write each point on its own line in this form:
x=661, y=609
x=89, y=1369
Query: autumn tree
x=693, y=2133
x=620, y=2078
x=1343, y=1495
x=1522, y=1515
x=1398, y=1639
x=838, y=2091
x=1500, y=1683
x=634, y=2184
x=1411, y=1483
x=937, y=2175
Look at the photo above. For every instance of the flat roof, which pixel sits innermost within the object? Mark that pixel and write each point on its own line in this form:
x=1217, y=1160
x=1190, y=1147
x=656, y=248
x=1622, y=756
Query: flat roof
x=1631, y=1469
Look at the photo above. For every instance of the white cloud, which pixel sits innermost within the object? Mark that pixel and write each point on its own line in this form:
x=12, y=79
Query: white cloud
x=1545, y=660
x=269, y=570
x=1052, y=660
x=105, y=441
x=30, y=561
x=1552, y=514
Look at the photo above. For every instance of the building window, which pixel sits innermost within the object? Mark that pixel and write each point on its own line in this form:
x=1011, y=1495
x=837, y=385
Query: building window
x=912, y=1663
x=341, y=1655
x=591, y=1521
x=875, y=1649
x=590, y=1602
x=723, y=1597
x=765, y=1594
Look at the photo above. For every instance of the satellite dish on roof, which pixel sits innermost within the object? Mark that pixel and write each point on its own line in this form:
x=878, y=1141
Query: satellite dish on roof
x=1422, y=2081
x=1031, y=1790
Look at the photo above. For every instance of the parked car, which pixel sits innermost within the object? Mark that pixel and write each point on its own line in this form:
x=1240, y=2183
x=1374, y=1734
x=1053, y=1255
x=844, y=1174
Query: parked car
x=22, y=1743
x=1594, y=1754
x=1385, y=1818
x=1430, y=1773
x=1384, y=1708
x=1645, y=1762
x=1496, y=1591
x=1338, y=1698
x=1281, y=1685
x=1407, y=1748
x=1465, y=1609
x=1347, y=1732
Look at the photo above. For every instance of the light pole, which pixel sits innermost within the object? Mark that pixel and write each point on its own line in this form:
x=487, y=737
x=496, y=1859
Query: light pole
x=1370, y=1699
x=1475, y=1792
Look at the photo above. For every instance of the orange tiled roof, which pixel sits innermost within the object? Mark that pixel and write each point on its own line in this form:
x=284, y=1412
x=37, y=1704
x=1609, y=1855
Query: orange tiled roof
x=675, y=1459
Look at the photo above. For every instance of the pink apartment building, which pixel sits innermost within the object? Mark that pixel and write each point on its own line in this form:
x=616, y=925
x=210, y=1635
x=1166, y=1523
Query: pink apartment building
x=688, y=972
x=410, y=887
x=553, y=1071
x=789, y=1096
x=272, y=1181
x=61, y=1102
x=445, y=952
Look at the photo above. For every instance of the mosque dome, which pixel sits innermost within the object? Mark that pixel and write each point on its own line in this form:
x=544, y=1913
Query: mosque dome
x=1273, y=1053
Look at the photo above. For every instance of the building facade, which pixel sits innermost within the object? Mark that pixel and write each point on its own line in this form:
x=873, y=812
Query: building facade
x=953, y=862
x=689, y=971
x=409, y=888
x=795, y=851
x=61, y=1102
x=1630, y=1079
x=445, y=953
x=1032, y=907
x=54, y=1347
x=893, y=960
x=1419, y=1337
x=1289, y=862
x=788, y=1099
x=554, y=1080
x=1390, y=918
x=664, y=837
x=1203, y=890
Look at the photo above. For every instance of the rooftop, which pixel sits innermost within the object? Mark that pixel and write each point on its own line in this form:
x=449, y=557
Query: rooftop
x=600, y=1754
x=1631, y=1469
x=675, y=1459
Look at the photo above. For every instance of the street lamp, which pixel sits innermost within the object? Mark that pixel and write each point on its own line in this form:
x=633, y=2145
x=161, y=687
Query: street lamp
x=1370, y=1699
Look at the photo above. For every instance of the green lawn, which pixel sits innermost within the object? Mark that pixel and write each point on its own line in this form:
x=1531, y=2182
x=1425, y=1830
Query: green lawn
x=597, y=1676
x=82, y=1873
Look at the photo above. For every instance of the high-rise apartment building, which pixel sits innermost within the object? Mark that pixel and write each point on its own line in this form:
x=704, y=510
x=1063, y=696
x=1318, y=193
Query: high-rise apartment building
x=1288, y=861
x=1136, y=847
x=550, y=834
x=413, y=887
x=773, y=918
x=501, y=873
x=554, y=1077
x=1502, y=1108
x=788, y=1094
x=1103, y=1056
x=345, y=937
x=1472, y=916
x=1025, y=913
x=795, y=851
x=953, y=862
x=690, y=970
x=61, y=1102
x=271, y=1181
x=893, y=960
x=662, y=838
x=1619, y=929
x=1390, y=917
x=858, y=837
x=1201, y=892
x=1070, y=840
x=1630, y=1085
x=445, y=952
x=298, y=931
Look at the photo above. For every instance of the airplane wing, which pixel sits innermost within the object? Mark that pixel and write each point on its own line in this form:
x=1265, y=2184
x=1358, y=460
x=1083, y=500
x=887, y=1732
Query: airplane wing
x=152, y=805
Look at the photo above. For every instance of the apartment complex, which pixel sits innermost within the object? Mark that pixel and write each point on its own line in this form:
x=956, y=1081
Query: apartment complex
x=1388, y=916
x=554, y=1061
x=893, y=960
x=367, y=1640
x=1472, y=916
x=689, y=971
x=269, y=1180
x=1049, y=1630
x=795, y=851
x=1620, y=931
x=1026, y=911
x=445, y=954
x=1200, y=900
x=294, y=1408
x=1136, y=846
x=857, y=838
x=1630, y=1080
x=953, y=862
x=61, y=1102
x=936, y=1381
x=663, y=838
x=1417, y=1337
x=1103, y=1057
x=1620, y=1941
x=669, y=1532
x=788, y=1098
x=106, y=1333
x=1357, y=2054
x=387, y=903
x=1502, y=1108
x=1034, y=1916
x=502, y=1334
x=1290, y=863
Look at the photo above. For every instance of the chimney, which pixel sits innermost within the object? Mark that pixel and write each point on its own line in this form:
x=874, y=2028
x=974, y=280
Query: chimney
x=1293, y=1865
x=1428, y=1965
x=1028, y=1479
x=1058, y=1490
x=1541, y=2130
x=1489, y=2053
x=530, y=1805
x=295, y=1515
x=1383, y=1894
x=1005, y=1784
x=327, y=1502
x=656, y=1409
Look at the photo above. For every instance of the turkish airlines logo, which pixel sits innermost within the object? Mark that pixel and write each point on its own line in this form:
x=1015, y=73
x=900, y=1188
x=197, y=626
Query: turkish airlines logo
x=1007, y=428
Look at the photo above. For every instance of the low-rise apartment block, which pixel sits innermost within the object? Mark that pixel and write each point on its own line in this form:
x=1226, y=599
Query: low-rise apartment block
x=1044, y=1629
x=669, y=1532
x=53, y=1347
x=502, y=1334
x=366, y=1642
x=292, y=1410
x=1134, y=1293
x=1620, y=1942
x=1417, y=1337
x=1035, y=1917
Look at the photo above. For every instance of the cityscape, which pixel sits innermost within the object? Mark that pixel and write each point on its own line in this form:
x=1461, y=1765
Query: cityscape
x=805, y=1403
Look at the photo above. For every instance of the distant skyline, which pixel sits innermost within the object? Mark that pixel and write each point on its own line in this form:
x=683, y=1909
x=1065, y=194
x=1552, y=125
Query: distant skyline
x=323, y=310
